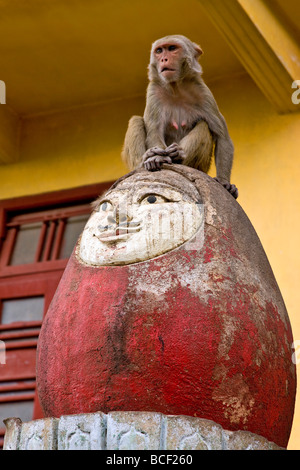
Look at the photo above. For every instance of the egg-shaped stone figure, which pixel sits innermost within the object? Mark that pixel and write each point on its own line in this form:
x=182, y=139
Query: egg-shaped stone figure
x=168, y=304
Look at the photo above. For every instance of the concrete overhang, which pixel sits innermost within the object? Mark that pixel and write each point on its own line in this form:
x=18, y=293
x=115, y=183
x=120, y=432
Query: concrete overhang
x=57, y=55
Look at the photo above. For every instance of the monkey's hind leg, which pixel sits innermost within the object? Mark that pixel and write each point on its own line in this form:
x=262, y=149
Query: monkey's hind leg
x=135, y=143
x=197, y=147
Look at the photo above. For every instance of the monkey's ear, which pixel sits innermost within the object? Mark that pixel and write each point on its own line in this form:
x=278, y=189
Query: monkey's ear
x=198, y=50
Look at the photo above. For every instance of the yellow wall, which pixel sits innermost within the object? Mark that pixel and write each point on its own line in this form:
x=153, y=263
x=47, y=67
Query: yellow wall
x=66, y=150
x=82, y=146
x=267, y=172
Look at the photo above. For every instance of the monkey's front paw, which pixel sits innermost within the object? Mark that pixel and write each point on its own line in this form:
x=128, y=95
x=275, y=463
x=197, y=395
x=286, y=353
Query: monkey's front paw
x=231, y=188
x=152, y=152
x=175, y=153
x=155, y=163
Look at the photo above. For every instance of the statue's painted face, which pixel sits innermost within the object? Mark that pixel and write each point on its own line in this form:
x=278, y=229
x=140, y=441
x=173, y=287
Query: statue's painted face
x=138, y=220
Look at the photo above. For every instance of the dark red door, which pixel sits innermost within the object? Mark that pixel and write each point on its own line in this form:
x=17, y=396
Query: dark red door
x=37, y=237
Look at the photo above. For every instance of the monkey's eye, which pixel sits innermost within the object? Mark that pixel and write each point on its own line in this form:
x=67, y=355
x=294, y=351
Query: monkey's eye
x=172, y=47
x=158, y=50
x=153, y=199
x=105, y=206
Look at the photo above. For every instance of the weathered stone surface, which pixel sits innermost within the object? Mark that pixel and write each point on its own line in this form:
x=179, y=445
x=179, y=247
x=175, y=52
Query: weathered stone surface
x=12, y=434
x=246, y=441
x=200, y=330
x=40, y=434
x=127, y=431
x=186, y=433
x=133, y=430
x=82, y=432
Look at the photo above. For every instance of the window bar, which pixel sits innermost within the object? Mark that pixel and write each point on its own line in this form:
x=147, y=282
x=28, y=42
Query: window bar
x=8, y=246
x=19, y=334
x=58, y=239
x=19, y=325
x=17, y=385
x=17, y=397
x=2, y=223
x=41, y=242
x=49, y=240
x=21, y=344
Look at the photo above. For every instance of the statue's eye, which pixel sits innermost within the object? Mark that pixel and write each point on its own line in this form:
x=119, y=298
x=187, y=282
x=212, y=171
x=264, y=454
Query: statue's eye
x=105, y=206
x=151, y=199
x=154, y=199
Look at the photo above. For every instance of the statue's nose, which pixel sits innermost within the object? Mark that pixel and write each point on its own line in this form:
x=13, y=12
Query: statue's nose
x=118, y=216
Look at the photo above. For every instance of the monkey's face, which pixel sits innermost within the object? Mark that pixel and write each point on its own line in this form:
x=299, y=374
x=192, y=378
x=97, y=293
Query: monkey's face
x=137, y=221
x=173, y=58
x=168, y=58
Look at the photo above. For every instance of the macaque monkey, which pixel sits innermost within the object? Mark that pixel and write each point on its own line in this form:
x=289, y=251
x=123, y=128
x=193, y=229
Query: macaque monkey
x=182, y=122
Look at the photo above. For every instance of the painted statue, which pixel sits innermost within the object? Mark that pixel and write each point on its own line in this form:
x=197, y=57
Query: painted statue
x=169, y=304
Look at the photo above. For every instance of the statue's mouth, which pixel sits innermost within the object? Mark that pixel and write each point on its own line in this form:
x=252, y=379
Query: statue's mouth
x=118, y=232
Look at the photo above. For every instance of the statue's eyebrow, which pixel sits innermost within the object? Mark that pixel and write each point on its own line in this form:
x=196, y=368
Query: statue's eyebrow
x=159, y=190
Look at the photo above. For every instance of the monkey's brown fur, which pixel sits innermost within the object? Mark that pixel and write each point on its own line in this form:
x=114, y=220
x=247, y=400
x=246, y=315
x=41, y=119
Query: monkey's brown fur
x=181, y=122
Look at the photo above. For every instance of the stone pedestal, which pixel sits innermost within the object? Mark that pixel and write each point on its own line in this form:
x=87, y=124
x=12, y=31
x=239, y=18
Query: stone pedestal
x=128, y=431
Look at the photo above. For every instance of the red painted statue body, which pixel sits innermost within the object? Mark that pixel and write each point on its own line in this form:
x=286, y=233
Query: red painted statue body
x=195, y=332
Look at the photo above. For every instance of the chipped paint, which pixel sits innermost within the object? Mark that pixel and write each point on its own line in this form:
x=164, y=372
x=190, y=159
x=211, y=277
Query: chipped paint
x=239, y=402
x=210, y=214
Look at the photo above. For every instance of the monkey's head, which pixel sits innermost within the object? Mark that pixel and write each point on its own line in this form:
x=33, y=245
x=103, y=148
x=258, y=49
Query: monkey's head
x=174, y=58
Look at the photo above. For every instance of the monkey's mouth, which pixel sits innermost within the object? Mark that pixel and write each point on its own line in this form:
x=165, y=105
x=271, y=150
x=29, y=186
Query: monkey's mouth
x=166, y=69
x=118, y=232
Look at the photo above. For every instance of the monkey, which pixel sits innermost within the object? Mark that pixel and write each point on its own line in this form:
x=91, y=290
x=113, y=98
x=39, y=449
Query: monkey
x=182, y=122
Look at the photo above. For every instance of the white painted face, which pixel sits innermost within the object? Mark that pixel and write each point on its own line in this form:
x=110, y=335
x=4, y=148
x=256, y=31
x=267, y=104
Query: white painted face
x=137, y=221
